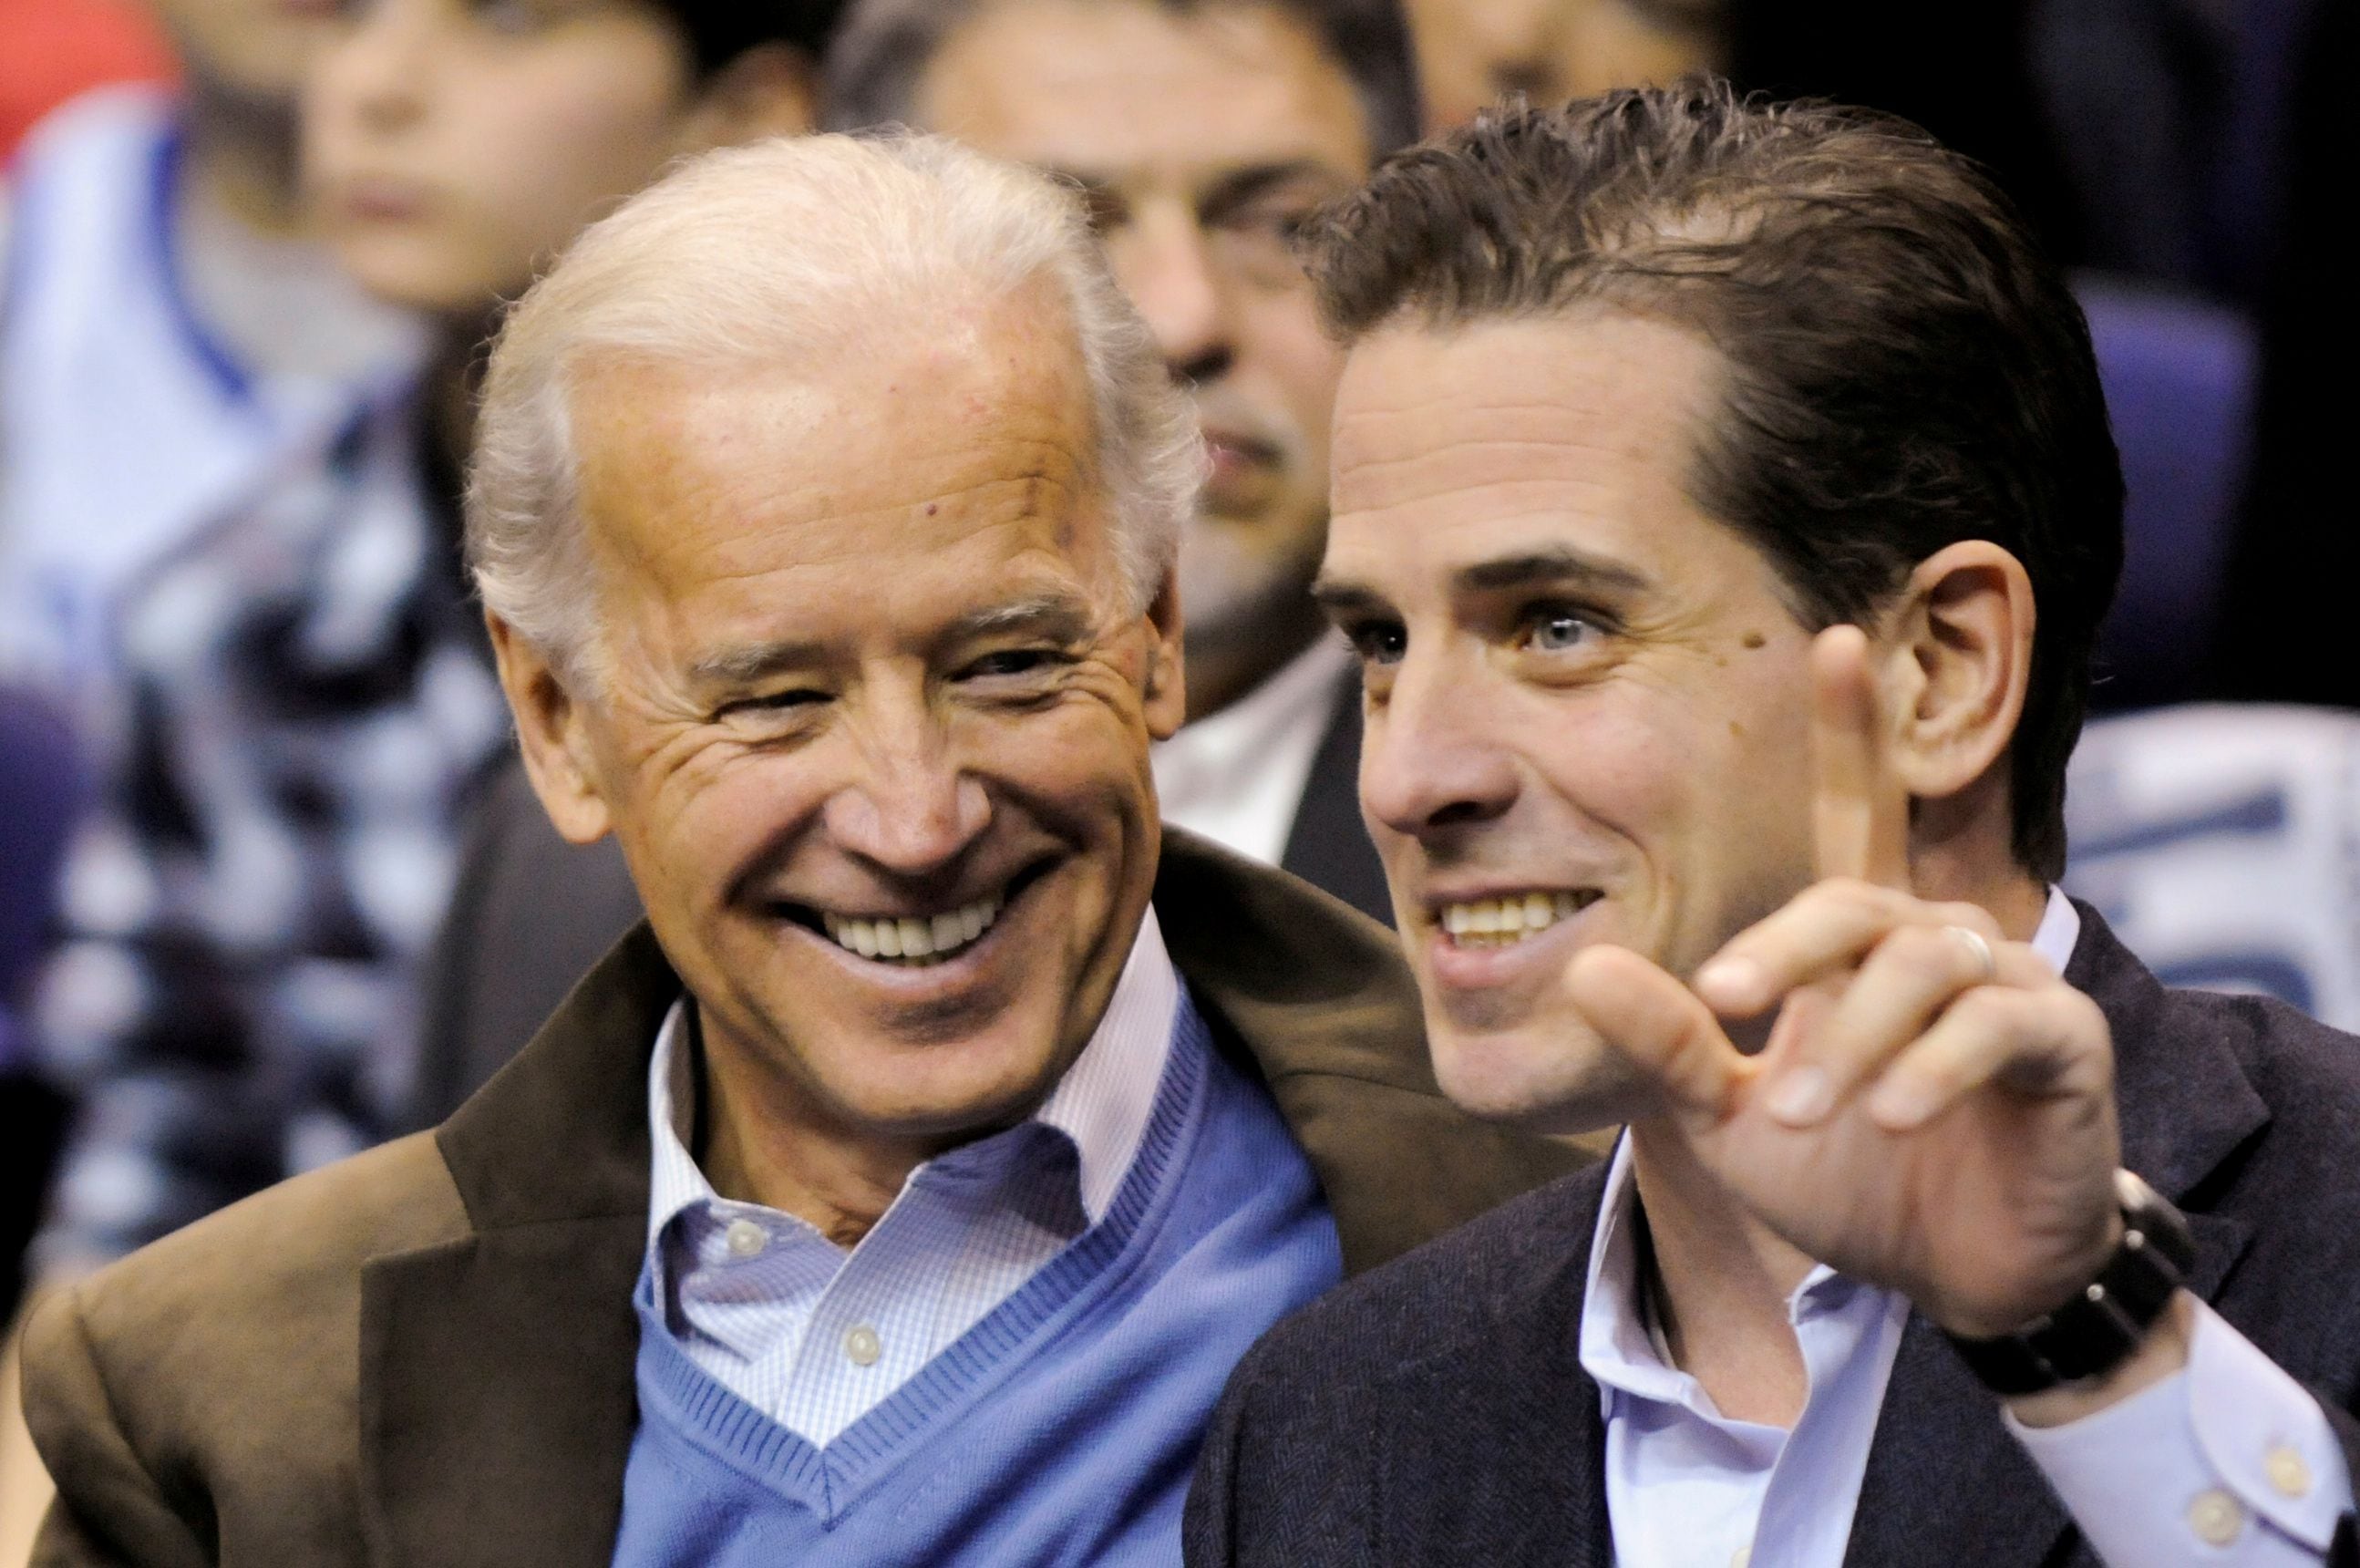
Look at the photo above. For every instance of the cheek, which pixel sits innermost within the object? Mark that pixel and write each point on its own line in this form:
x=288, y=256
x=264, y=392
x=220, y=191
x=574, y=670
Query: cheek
x=700, y=812
x=1285, y=352
x=1083, y=765
x=1621, y=759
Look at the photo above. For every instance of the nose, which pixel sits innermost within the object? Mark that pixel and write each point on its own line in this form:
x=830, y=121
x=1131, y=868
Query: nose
x=911, y=809
x=1167, y=268
x=376, y=72
x=1435, y=754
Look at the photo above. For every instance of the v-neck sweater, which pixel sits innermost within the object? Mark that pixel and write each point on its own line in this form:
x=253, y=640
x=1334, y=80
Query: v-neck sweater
x=1060, y=1429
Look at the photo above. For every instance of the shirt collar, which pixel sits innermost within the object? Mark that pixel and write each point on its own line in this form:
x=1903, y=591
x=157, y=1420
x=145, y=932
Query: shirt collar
x=2059, y=932
x=1101, y=1104
x=1616, y=1347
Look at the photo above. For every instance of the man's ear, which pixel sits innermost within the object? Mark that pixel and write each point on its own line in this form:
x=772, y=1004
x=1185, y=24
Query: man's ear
x=1959, y=661
x=769, y=91
x=552, y=734
x=1166, y=686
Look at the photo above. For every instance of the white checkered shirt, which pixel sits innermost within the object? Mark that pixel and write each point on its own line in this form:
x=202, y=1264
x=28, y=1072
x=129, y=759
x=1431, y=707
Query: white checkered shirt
x=815, y=1337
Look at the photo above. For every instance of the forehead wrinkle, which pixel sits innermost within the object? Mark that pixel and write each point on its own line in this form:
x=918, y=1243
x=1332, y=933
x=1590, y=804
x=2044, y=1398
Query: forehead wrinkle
x=1539, y=502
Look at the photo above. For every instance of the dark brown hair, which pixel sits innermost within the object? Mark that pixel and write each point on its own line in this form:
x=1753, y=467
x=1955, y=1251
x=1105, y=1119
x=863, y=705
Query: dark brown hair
x=1904, y=369
x=718, y=31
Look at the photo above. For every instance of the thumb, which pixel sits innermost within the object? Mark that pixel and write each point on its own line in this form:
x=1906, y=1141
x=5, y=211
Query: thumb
x=1660, y=1027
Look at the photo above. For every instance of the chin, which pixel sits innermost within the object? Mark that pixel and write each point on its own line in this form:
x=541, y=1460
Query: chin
x=964, y=1098
x=993, y=1071
x=1559, y=1083
x=396, y=278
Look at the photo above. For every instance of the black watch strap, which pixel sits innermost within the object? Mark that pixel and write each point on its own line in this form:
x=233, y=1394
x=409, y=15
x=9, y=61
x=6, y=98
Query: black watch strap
x=2098, y=1329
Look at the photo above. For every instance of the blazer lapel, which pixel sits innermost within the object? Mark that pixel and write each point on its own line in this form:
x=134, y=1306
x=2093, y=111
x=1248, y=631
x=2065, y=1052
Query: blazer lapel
x=497, y=1401
x=1512, y=1470
x=1945, y=1476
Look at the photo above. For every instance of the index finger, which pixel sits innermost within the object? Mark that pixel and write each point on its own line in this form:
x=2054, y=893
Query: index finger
x=1860, y=811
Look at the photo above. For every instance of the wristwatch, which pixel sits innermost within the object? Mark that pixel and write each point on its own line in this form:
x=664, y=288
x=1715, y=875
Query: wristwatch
x=2098, y=1329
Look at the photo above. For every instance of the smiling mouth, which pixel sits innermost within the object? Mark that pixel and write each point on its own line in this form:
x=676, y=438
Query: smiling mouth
x=917, y=940
x=1516, y=917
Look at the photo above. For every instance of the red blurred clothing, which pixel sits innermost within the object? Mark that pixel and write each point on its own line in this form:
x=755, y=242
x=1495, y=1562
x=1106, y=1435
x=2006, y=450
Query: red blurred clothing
x=51, y=50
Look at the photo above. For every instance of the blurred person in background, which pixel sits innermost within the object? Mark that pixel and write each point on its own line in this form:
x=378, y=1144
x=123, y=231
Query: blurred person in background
x=308, y=690
x=1471, y=53
x=1202, y=133
x=175, y=344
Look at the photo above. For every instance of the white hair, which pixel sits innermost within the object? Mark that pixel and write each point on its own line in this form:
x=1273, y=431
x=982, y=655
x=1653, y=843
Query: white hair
x=782, y=253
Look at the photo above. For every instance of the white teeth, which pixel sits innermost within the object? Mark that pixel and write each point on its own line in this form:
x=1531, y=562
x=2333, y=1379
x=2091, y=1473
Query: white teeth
x=1497, y=922
x=924, y=939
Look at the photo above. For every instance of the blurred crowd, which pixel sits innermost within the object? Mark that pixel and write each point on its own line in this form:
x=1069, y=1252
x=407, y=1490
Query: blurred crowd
x=270, y=887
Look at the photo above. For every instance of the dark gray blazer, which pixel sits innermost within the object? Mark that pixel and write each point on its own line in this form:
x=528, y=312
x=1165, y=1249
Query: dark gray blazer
x=532, y=913
x=1435, y=1411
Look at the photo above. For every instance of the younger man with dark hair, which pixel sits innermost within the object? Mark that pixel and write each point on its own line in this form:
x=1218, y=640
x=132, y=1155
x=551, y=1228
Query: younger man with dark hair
x=1724, y=510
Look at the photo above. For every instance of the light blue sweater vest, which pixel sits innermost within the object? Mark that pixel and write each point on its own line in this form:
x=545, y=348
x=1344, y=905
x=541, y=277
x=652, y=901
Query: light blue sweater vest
x=1061, y=1429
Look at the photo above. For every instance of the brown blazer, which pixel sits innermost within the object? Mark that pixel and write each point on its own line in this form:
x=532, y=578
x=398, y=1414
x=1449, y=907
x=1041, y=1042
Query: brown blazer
x=423, y=1356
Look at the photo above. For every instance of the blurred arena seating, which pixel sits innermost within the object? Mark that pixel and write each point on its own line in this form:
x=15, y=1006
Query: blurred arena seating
x=2223, y=844
x=2179, y=375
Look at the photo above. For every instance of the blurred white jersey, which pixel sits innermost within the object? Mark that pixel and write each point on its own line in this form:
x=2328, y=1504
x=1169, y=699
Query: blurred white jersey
x=127, y=425
x=2223, y=845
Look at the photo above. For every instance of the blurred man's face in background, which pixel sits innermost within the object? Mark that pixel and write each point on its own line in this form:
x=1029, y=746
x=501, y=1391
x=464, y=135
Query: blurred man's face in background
x=1470, y=52
x=246, y=51
x=1202, y=140
x=452, y=146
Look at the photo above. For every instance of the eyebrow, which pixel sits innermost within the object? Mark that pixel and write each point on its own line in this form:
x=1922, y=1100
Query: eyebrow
x=1561, y=567
x=1063, y=617
x=1066, y=617
x=1239, y=187
x=1537, y=568
x=1231, y=190
x=743, y=666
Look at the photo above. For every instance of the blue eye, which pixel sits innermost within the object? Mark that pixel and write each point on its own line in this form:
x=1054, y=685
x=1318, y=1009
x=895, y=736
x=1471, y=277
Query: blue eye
x=1555, y=630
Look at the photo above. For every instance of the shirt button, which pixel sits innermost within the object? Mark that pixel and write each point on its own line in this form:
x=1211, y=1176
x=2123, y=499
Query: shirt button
x=861, y=1345
x=1741, y=1557
x=2287, y=1472
x=2216, y=1517
x=745, y=1238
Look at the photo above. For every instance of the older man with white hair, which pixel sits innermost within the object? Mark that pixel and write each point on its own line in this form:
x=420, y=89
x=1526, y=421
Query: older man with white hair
x=905, y=1190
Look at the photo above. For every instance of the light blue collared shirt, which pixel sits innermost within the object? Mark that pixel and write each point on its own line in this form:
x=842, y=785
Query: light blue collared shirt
x=814, y=1335
x=2228, y=1463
